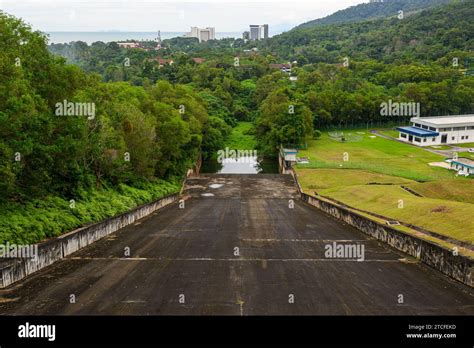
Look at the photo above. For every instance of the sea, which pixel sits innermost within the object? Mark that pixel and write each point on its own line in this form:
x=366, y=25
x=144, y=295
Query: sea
x=106, y=36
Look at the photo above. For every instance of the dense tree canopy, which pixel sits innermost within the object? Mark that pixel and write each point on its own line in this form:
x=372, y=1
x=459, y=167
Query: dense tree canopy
x=425, y=36
x=371, y=10
x=135, y=133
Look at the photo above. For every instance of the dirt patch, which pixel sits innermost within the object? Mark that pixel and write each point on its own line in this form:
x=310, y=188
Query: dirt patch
x=441, y=209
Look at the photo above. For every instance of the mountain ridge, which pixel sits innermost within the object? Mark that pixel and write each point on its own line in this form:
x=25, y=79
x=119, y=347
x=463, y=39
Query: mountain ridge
x=426, y=36
x=373, y=10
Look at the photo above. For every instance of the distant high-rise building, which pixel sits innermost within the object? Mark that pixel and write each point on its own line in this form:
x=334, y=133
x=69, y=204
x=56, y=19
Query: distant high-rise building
x=246, y=35
x=254, y=32
x=203, y=34
x=258, y=32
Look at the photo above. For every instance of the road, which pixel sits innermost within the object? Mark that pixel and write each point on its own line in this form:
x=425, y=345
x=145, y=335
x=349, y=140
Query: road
x=184, y=261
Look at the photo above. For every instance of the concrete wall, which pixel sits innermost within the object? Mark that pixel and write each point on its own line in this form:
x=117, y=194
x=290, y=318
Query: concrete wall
x=13, y=270
x=440, y=258
x=282, y=164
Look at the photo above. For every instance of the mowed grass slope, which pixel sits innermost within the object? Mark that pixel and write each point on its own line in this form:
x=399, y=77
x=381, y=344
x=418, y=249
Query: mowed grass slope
x=443, y=216
x=372, y=177
x=317, y=179
x=461, y=190
x=377, y=155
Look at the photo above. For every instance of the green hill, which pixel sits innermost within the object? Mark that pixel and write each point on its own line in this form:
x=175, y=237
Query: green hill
x=366, y=11
x=425, y=36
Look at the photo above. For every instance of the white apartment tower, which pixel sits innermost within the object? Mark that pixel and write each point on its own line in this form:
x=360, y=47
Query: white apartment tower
x=203, y=34
x=258, y=32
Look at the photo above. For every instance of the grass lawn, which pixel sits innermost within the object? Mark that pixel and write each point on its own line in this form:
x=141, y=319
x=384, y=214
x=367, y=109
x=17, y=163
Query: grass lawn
x=440, y=147
x=438, y=215
x=461, y=190
x=317, y=179
x=371, y=180
x=239, y=139
x=389, y=132
x=466, y=154
x=377, y=155
x=468, y=145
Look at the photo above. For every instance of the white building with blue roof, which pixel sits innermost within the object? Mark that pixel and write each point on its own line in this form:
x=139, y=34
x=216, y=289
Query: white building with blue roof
x=439, y=130
x=463, y=165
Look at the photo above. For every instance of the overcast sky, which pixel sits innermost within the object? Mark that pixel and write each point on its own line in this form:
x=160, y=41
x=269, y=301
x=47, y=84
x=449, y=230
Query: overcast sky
x=151, y=15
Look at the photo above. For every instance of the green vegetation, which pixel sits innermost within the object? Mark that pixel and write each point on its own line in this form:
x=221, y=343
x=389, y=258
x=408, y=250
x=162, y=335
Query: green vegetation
x=365, y=11
x=122, y=154
x=466, y=154
x=39, y=219
x=314, y=180
x=435, y=34
x=372, y=179
x=402, y=60
x=389, y=132
x=375, y=154
x=438, y=215
x=241, y=137
x=284, y=120
x=440, y=147
x=461, y=189
x=467, y=145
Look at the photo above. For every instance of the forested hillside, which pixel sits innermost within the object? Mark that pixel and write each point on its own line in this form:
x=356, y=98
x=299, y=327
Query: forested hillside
x=61, y=153
x=427, y=36
x=372, y=10
x=404, y=60
x=137, y=142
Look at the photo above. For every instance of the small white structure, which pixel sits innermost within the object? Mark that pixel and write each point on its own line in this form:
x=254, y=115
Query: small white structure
x=439, y=130
x=286, y=159
x=289, y=155
x=463, y=165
